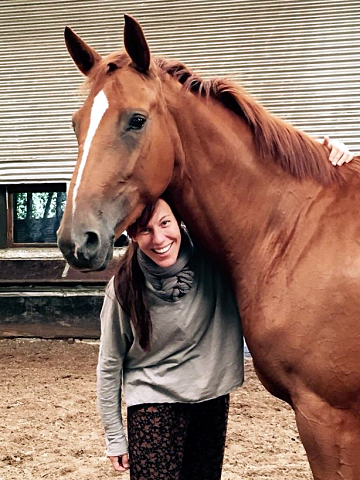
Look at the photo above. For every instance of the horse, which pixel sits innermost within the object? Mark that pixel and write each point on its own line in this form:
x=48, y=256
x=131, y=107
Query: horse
x=259, y=195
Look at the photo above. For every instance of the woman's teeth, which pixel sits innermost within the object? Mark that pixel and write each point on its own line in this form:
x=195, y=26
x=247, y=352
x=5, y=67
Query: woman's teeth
x=162, y=250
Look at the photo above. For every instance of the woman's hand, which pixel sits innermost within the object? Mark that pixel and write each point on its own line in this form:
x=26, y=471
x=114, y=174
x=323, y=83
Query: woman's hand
x=120, y=463
x=339, y=152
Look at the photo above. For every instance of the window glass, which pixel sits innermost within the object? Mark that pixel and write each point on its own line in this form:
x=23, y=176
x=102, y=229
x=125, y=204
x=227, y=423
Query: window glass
x=37, y=216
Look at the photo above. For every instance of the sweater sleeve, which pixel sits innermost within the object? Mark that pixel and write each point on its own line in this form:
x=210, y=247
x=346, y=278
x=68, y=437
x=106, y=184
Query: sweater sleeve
x=115, y=337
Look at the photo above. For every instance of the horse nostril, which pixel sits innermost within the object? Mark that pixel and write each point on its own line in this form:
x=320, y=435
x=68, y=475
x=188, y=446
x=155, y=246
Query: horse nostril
x=92, y=241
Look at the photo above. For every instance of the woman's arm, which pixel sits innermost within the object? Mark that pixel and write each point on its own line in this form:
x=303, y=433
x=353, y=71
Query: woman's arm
x=109, y=376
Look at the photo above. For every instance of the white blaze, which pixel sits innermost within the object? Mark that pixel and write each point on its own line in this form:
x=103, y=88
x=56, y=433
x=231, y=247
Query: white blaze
x=98, y=109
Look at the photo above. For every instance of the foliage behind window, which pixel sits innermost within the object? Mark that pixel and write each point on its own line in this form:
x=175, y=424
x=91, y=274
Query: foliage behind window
x=37, y=216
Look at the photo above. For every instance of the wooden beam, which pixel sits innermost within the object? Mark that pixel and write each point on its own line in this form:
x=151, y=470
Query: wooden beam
x=3, y=222
x=48, y=331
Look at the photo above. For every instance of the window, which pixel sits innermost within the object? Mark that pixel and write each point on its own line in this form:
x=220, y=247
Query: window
x=30, y=215
x=34, y=213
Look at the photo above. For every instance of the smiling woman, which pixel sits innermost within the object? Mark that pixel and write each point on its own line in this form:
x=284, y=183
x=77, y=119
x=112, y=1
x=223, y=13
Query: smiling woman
x=160, y=238
x=167, y=319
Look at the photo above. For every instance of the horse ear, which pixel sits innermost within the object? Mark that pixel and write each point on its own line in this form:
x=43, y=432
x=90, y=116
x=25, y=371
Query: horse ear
x=136, y=44
x=83, y=55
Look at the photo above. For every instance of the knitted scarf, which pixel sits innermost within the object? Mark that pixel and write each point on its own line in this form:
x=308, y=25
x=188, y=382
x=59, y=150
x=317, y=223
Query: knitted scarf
x=173, y=282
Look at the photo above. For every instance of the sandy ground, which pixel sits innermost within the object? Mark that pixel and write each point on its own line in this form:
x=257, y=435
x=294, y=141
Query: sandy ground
x=49, y=427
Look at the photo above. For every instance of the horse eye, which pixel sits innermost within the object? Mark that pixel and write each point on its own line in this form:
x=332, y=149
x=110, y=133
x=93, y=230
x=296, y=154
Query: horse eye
x=137, y=122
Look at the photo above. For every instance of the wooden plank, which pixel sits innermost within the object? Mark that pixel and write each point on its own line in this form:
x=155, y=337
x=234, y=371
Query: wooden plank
x=3, y=222
x=40, y=330
x=20, y=272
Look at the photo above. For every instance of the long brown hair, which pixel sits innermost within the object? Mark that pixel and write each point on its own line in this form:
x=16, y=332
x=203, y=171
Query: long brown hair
x=130, y=282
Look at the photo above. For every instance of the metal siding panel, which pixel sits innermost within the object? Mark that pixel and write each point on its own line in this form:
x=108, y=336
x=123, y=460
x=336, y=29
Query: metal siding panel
x=299, y=58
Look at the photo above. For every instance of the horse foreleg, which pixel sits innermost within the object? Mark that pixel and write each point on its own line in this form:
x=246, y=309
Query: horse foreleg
x=331, y=437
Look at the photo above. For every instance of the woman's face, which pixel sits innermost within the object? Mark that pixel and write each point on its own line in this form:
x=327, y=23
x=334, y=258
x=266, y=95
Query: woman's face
x=160, y=239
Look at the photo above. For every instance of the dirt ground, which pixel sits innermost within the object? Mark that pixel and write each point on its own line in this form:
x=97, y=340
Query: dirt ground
x=49, y=427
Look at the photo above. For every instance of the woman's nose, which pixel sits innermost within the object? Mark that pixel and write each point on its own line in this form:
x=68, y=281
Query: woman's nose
x=158, y=236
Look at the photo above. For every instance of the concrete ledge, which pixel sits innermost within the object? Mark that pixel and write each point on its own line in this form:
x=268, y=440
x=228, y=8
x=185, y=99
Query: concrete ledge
x=50, y=314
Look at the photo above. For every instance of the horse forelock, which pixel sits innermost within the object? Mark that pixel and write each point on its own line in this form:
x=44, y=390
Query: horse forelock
x=105, y=68
x=296, y=152
x=108, y=66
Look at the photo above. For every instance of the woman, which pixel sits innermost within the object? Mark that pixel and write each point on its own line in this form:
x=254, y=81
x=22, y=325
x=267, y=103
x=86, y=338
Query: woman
x=171, y=335
x=180, y=354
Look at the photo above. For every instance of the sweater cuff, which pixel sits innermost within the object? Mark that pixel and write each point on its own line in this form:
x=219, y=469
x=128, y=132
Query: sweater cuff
x=116, y=448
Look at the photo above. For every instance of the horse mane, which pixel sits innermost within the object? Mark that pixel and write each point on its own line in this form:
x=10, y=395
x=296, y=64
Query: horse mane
x=296, y=152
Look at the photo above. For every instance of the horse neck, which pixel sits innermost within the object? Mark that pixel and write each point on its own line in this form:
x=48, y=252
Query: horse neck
x=227, y=197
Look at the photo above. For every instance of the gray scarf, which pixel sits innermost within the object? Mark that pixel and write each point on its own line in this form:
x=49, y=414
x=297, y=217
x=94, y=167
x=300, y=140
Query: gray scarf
x=173, y=282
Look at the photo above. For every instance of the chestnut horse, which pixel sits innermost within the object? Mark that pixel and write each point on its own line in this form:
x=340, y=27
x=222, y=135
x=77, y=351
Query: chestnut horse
x=260, y=195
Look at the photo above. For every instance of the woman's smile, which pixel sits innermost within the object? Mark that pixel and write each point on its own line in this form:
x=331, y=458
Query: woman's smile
x=163, y=250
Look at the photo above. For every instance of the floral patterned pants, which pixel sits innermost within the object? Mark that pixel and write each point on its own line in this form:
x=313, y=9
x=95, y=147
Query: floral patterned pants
x=177, y=441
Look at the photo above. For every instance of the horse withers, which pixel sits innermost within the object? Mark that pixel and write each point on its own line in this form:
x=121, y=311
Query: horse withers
x=263, y=199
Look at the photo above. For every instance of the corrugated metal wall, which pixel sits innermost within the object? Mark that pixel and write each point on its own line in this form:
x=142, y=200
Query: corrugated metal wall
x=301, y=59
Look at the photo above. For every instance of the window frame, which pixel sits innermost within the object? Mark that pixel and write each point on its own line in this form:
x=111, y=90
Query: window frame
x=10, y=189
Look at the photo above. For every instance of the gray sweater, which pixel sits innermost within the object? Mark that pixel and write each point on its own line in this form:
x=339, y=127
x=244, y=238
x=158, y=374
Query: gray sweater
x=196, y=351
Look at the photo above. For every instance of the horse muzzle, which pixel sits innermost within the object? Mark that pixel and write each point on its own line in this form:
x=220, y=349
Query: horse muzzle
x=87, y=252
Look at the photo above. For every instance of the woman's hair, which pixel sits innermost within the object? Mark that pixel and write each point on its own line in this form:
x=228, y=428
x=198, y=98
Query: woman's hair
x=130, y=282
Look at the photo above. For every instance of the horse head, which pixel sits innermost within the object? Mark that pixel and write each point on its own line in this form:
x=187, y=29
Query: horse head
x=125, y=147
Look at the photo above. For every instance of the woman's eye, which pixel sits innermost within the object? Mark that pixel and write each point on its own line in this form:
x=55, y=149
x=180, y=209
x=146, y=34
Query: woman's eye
x=137, y=122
